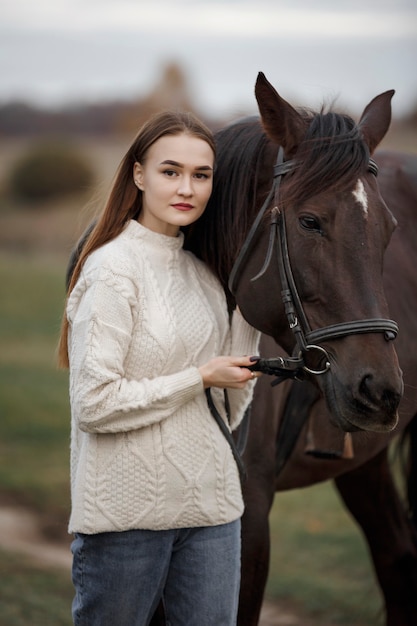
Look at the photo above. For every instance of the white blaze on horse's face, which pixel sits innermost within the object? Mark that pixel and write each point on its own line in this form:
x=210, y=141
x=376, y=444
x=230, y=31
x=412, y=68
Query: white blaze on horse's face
x=360, y=196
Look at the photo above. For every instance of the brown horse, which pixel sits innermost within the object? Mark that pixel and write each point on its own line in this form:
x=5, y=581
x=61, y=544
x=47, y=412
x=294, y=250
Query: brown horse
x=319, y=207
x=313, y=448
x=335, y=284
x=281, y=455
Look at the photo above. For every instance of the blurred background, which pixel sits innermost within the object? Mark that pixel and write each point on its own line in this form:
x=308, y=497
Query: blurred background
x=78, y=77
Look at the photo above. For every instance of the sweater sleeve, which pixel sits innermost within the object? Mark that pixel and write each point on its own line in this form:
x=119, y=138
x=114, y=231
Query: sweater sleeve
x=244, y=341
x=103, y=398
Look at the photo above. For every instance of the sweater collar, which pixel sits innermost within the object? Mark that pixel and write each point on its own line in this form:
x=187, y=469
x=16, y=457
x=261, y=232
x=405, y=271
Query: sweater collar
x=135, y=230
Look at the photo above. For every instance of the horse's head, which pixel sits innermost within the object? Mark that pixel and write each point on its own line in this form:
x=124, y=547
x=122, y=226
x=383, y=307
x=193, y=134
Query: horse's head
x=336, y=229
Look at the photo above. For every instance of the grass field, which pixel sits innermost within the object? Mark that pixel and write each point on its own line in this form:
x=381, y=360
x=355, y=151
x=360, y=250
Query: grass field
x=319, y=559
x=34, y=425
x=31, y=596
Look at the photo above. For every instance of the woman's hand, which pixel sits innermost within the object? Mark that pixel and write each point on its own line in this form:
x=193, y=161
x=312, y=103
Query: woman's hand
x=228, y=372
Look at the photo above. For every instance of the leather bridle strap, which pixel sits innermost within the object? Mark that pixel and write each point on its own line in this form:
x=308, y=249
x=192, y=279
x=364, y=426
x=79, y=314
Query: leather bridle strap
x=253, y=234
x=336, y=331
x=226, y=432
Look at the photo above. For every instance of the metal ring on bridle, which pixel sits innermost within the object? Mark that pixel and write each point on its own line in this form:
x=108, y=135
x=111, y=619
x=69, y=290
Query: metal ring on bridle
x=327, y=362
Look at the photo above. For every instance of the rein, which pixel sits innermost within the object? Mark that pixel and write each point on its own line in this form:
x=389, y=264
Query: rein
x=307, y=340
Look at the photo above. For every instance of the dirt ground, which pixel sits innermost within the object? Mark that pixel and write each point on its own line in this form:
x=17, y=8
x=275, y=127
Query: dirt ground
x=20, y=531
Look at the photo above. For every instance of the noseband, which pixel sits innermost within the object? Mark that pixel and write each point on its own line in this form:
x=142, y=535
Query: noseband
x=307, y=340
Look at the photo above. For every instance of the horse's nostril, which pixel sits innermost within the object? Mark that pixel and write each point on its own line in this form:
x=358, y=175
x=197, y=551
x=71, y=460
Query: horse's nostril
x=382, y=397
x=364, y=386
x=390, y=399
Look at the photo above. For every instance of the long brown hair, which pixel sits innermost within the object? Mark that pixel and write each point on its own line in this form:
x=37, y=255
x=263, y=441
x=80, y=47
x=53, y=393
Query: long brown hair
x=125, y=199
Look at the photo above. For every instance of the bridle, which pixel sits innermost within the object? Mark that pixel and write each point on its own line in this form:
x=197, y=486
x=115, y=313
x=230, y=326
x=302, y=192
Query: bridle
x=307, y=340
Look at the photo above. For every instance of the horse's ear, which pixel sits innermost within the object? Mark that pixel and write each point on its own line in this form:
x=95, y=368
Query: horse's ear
x=376, y=119
x=282, y=123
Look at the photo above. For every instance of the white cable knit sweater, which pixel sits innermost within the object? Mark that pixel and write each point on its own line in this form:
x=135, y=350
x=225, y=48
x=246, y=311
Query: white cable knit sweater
x=145, y=450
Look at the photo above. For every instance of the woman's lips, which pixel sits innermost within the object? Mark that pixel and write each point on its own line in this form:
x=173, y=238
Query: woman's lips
x=182, y=206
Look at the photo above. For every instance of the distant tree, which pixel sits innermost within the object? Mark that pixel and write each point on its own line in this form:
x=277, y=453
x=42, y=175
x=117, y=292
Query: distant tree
x=49, y=170
x=171, y=91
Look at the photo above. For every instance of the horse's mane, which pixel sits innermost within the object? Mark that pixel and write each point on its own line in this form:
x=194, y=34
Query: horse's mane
x=331, y=155
x=240, y=176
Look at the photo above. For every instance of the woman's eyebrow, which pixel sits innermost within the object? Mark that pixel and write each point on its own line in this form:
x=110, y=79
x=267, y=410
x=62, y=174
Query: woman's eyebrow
x=177, y=164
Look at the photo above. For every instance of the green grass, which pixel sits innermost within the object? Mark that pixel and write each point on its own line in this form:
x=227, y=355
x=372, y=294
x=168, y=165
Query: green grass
x=319, y=559
x=30, y=596
x=34, y=410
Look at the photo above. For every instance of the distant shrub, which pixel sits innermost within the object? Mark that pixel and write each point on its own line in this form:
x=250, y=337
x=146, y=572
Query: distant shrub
x=49, y=170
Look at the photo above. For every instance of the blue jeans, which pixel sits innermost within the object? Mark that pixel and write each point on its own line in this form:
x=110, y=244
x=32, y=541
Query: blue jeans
x=120, y=577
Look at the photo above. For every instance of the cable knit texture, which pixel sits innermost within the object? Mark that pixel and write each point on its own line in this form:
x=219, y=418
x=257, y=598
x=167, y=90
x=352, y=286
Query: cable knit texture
x=145, y=450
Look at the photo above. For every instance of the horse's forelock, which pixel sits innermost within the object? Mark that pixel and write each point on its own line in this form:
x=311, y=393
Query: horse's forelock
x=331, y=156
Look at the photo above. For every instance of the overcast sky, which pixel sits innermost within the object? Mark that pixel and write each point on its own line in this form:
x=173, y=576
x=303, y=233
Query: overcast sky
x=54, y=52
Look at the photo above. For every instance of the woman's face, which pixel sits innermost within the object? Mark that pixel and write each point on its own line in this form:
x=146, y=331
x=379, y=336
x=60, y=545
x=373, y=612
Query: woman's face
x=176, y=180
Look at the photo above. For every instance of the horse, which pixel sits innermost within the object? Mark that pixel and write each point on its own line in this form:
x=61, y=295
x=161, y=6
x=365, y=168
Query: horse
x=294, y=416
x=317, y=448
x=296, y=209
x=316, y=451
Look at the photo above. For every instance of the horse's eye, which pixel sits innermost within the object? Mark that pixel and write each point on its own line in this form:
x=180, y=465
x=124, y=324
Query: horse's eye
x=310, y=223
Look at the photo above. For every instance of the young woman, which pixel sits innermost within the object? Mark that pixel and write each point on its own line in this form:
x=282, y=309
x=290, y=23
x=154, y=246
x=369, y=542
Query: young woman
x=156, y=497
